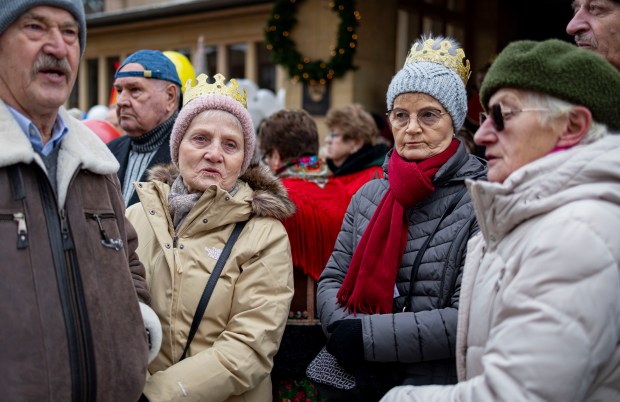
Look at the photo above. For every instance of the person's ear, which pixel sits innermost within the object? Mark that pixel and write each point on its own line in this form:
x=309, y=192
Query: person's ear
x=358, y=143
x=577, y=125
x=275, y=160
x=172, y=97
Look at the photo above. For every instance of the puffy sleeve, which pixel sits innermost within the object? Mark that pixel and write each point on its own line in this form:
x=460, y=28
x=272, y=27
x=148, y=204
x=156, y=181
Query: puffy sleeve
x=556, y=324
x=336, y=269
x=409, y=337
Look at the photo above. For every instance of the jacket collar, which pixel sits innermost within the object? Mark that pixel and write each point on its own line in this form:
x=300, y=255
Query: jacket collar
x=459, y=167
x=79, y=149
x=584, y=172
x=260, y=189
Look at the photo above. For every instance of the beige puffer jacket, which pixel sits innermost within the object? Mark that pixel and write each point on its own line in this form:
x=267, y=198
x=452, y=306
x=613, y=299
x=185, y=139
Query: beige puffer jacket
x=231, y=356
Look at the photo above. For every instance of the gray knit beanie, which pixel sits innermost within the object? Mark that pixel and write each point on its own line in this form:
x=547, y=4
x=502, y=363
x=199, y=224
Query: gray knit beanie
x=439, y=72
x=13, y=9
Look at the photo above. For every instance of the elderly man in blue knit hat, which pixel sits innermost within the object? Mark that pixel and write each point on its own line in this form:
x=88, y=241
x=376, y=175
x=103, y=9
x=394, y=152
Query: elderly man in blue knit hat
x=539, y=312
x=72, y=328
x=596, y=26
x=148, y=98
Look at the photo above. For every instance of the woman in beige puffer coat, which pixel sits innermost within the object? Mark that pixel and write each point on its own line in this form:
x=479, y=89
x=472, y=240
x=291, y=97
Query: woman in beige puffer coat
x=183, y=221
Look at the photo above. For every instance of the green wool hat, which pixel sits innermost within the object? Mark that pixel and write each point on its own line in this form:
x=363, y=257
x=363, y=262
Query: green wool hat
x=559, y=69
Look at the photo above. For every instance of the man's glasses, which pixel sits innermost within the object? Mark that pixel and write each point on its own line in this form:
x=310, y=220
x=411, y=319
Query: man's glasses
x=400, y=118
x=498, y=115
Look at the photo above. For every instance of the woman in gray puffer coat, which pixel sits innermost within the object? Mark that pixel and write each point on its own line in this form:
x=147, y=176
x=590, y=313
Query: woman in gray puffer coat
x=389, y=317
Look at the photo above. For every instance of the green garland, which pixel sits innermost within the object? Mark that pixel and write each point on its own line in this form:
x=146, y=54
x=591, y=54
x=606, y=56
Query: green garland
x=284, y=49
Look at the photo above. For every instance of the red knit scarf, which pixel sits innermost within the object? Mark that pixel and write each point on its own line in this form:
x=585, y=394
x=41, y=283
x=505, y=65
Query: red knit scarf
x=368, y=286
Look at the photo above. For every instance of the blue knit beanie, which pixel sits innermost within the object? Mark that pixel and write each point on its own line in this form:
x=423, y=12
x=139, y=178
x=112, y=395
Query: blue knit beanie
x=13, y=9
x=436, y=78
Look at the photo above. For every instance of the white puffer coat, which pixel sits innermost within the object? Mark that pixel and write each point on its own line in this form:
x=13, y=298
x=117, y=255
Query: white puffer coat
x=540, y=298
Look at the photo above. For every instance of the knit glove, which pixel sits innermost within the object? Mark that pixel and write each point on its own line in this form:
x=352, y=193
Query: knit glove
x=346, y=343
x=153, y=330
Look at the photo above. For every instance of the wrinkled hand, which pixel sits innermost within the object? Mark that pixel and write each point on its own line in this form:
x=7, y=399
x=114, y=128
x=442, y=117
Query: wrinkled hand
x=346, y=343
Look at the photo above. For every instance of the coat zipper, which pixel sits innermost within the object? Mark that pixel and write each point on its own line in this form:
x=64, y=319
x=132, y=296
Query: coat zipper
x=77, y=325
x=115, y=244
x=22, y=230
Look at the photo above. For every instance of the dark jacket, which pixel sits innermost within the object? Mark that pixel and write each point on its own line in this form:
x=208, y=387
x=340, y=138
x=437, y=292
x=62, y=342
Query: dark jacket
x=121, y=146
x=71, y=325
x=424, y=338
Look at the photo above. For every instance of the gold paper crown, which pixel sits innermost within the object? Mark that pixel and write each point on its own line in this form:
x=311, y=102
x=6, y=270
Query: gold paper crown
x=219, y=87
x=457, y=63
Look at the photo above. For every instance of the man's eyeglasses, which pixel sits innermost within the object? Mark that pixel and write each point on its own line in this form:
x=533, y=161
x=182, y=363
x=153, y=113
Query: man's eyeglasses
x=400, y=118
x=498, y=115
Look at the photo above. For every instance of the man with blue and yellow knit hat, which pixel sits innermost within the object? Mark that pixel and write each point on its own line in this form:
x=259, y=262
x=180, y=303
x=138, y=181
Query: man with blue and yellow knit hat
x=539, y=313
x=72, y=328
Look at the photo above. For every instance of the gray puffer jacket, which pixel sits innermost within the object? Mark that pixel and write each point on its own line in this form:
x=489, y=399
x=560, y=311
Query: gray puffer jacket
x=423, y=338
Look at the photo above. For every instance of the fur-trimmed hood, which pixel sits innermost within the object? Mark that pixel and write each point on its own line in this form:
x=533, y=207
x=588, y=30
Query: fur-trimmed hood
x=270, y=196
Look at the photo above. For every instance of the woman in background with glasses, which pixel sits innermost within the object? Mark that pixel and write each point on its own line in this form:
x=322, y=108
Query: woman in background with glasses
x=352, y=150
x=388, y=308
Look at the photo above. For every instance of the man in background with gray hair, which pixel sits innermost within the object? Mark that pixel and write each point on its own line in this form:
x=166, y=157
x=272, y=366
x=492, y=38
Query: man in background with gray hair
x=71, y=322
x=148, y=98
x=596, y=26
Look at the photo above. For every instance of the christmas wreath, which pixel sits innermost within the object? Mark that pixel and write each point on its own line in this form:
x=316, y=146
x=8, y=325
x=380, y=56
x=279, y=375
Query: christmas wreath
x=284, y=50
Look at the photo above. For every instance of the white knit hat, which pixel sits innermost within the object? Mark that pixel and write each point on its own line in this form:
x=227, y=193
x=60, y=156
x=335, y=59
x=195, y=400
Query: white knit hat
x=433, y=78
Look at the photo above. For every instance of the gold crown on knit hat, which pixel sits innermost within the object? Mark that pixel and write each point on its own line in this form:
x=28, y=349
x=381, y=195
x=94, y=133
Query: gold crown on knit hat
x=440, y=53
x=219, y=87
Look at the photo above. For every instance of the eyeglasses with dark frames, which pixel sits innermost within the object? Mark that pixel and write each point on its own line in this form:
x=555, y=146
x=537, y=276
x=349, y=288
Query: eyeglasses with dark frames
x=499, y=115
x=400, y=118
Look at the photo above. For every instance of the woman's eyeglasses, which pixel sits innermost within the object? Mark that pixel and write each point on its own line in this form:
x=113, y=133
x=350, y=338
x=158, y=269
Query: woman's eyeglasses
x=498, y=115
x=400, y=118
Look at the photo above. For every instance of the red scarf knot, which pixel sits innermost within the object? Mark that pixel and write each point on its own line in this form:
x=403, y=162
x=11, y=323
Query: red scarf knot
x=368, y=286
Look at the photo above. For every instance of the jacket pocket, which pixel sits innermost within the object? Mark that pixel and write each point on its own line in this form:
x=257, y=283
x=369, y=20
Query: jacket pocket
x=107, y=226
x=19, y=224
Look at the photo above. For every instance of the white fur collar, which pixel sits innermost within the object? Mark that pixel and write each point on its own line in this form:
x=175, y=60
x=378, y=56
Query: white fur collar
x=80, y=149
